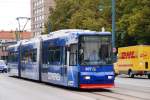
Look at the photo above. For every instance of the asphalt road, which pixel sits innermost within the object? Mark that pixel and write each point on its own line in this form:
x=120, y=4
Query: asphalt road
x=126, y=89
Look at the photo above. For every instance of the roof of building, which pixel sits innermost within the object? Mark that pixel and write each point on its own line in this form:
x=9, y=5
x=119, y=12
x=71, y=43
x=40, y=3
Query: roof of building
x=10, y=35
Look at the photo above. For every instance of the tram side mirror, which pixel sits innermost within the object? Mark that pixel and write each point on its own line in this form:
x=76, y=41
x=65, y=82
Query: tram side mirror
x=81, y=51
x=81, y=54
x=68, y=48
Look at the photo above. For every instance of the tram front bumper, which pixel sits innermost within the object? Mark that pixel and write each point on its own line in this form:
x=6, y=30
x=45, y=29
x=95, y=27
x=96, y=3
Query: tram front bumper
x=96, y=86
x=96, y=80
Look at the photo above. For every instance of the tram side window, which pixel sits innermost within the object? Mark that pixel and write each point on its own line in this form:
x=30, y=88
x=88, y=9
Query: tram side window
x=24, y=57
x=29, y=56
x=34, y=55
x=44, y=55
x=73, y=54
x=13, y=57
x=54, y=56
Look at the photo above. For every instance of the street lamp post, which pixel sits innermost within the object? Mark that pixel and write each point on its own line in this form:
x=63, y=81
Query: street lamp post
x=113, y=28
x=21, y=30
x=113, y=25
x=49, y=28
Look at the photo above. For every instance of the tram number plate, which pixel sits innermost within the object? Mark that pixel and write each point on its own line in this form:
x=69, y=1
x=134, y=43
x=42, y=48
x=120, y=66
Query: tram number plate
x=54, y=76
x=90, y=69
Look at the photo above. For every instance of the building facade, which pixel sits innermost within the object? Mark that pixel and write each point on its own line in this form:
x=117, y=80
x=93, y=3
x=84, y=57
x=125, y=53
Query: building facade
x=39, y=14
x=8, y=38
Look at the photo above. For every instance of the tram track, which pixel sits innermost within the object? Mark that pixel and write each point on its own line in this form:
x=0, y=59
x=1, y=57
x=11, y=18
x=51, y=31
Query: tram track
x=122, y=92
x=137, y=90
x=110, y=95
x=133, y=93
x=96, y=96
x=133, y=87
x=119, y=96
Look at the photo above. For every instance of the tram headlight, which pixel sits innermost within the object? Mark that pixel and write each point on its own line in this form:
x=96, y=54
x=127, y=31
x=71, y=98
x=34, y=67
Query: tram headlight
x=87, y=77
x=110, y=77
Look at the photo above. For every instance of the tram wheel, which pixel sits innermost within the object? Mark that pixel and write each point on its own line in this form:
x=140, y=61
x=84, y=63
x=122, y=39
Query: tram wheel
x=148, y=76
x=131, y=75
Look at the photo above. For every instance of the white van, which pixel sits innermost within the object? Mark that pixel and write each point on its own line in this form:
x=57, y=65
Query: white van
x=3, y=66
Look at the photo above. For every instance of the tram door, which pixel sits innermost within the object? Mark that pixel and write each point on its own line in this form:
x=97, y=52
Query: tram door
x=70, y=60
x=65, y=57
x=72, y=69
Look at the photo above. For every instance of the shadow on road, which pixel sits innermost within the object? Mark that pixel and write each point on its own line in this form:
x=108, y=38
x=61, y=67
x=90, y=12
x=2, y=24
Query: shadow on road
x=136, y=77
x=63, y=87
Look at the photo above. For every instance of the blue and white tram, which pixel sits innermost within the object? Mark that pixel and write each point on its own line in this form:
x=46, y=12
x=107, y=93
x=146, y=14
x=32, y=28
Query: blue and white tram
x=72, y=58
x=78, y=58
x=30, y=59
x=13, y=59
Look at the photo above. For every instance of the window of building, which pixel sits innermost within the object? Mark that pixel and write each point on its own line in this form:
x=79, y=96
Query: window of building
x=43, y=24
x=42, y=9
x=3, y=48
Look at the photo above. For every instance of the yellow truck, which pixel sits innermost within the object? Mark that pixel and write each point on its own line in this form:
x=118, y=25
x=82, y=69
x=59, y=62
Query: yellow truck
x=133, y=60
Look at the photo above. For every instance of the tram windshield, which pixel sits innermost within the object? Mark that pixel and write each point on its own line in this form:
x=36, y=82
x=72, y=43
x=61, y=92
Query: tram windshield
x=95, y=50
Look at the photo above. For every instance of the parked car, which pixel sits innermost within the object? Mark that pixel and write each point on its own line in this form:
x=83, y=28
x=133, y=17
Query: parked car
x=3, y=66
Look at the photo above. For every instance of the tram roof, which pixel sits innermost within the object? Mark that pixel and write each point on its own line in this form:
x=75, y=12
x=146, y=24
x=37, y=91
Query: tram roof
x=32, y=40
x=71, y=33
x=14, y=47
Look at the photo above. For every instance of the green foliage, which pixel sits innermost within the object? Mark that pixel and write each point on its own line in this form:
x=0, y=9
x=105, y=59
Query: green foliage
x=132, y=18
x=81, y=14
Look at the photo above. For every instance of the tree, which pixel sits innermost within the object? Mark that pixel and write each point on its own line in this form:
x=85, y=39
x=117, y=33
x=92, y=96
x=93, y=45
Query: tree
x=82, y=14
x=132, y=18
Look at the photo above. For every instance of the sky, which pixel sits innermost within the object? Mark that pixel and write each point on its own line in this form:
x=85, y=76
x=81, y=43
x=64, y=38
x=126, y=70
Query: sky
x=10, y=10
